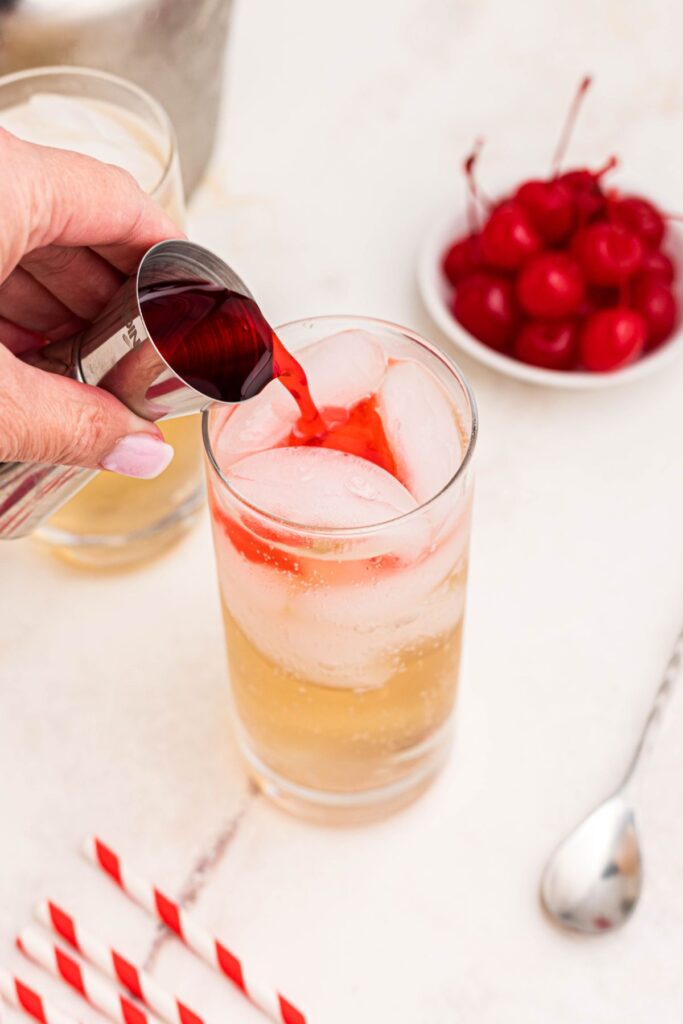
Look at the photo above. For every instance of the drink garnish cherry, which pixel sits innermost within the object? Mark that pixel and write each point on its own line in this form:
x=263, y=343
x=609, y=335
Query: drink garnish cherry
x=219, y=342
x=563, y=273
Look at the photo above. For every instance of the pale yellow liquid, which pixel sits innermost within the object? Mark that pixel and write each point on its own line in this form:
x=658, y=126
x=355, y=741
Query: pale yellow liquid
x=132, y=514
x=115, y=520
x=342, y=739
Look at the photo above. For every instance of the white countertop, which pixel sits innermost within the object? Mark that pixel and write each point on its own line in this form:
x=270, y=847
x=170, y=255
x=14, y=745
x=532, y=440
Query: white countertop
x=344, y=128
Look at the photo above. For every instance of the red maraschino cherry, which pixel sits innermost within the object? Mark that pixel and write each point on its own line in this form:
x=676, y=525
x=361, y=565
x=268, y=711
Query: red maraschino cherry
x=550, y=286
x=462, y=258
x=657, y=305
x=485, y=306
x=656, y=264
x=612, y=338
x=549, y=205
x=589, y=199
x=507, y=238
x=551, y=344
x=641, y=217
x=608, y=253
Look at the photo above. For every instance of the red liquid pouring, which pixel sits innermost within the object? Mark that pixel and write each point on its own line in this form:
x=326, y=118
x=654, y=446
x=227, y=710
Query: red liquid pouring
x=219, y=343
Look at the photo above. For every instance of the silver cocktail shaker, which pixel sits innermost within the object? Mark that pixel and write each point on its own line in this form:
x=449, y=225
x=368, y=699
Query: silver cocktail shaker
x=117, y=353
x=172, y=48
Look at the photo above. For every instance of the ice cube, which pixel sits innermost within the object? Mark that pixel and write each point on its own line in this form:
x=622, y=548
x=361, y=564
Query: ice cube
x=263, y=603
x=421, y=427
x=406, y=598
x=341, y=370
x=344, y=368
x=248, y=585
x=265, y=421
x=319, y=487
x=92, y=127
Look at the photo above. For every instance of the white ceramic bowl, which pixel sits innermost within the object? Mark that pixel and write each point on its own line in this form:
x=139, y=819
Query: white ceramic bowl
x=436, y=293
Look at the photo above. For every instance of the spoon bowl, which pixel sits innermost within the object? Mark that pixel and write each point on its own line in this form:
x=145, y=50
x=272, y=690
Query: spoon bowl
x=592, y=882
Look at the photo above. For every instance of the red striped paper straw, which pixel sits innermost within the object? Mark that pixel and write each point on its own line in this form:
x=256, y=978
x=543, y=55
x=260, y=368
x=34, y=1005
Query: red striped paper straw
x=116, y=966
x=192, y=934
x=19, y=995
x=96, y=990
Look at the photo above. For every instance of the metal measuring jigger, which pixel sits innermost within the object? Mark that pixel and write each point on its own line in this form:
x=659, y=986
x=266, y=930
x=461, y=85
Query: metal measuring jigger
x=116, y=353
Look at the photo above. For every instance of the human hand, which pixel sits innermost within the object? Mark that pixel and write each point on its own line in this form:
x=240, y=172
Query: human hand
x=72, y=230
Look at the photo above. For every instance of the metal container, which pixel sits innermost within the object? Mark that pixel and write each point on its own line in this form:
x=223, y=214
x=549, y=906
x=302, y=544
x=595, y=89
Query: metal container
x=116, y=353
x=172, y=48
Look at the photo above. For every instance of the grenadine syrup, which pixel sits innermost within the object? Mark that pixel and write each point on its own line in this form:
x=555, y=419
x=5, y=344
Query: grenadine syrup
x=220, y=343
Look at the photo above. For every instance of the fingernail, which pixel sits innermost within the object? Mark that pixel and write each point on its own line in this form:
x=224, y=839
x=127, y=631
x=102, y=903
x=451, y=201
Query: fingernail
x=140, y=455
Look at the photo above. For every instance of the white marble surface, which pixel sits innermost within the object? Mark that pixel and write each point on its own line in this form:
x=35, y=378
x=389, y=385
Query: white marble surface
x=343, y=130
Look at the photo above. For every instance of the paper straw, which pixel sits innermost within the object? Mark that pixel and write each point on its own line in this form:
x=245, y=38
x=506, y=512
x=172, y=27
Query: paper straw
x=16, y=993
x=117, y=966
x=192, y=934
x=96, y=990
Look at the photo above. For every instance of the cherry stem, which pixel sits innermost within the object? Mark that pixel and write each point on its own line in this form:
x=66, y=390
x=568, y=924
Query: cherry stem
x=608, y=166
x=569, y=123
x=475, y=197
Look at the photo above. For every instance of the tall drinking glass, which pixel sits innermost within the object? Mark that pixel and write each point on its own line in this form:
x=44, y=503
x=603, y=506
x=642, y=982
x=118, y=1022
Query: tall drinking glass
x=344, y=644
x=113, y=520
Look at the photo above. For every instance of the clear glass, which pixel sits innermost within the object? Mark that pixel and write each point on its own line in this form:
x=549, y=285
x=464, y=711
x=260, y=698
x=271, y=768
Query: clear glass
x=173, y=48
x=344, y=645
x=115, y=520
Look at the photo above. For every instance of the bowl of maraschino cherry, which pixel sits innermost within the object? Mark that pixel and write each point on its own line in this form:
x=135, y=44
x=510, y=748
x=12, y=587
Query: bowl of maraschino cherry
x=564, y=281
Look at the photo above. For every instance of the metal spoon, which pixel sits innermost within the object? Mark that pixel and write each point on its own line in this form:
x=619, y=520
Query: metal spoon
x=593, y=880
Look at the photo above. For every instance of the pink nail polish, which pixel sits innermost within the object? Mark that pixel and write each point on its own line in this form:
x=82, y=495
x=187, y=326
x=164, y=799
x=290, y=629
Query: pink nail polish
x=139, y=455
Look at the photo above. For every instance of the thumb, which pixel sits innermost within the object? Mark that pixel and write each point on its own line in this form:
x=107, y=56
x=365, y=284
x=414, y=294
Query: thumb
x=48, y=418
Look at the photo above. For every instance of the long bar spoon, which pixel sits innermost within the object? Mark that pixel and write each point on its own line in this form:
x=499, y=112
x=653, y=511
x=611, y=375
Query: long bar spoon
x=593, y=880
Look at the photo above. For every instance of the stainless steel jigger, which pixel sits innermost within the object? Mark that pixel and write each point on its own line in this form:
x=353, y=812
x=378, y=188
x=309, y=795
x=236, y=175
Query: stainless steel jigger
x=116, y=353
